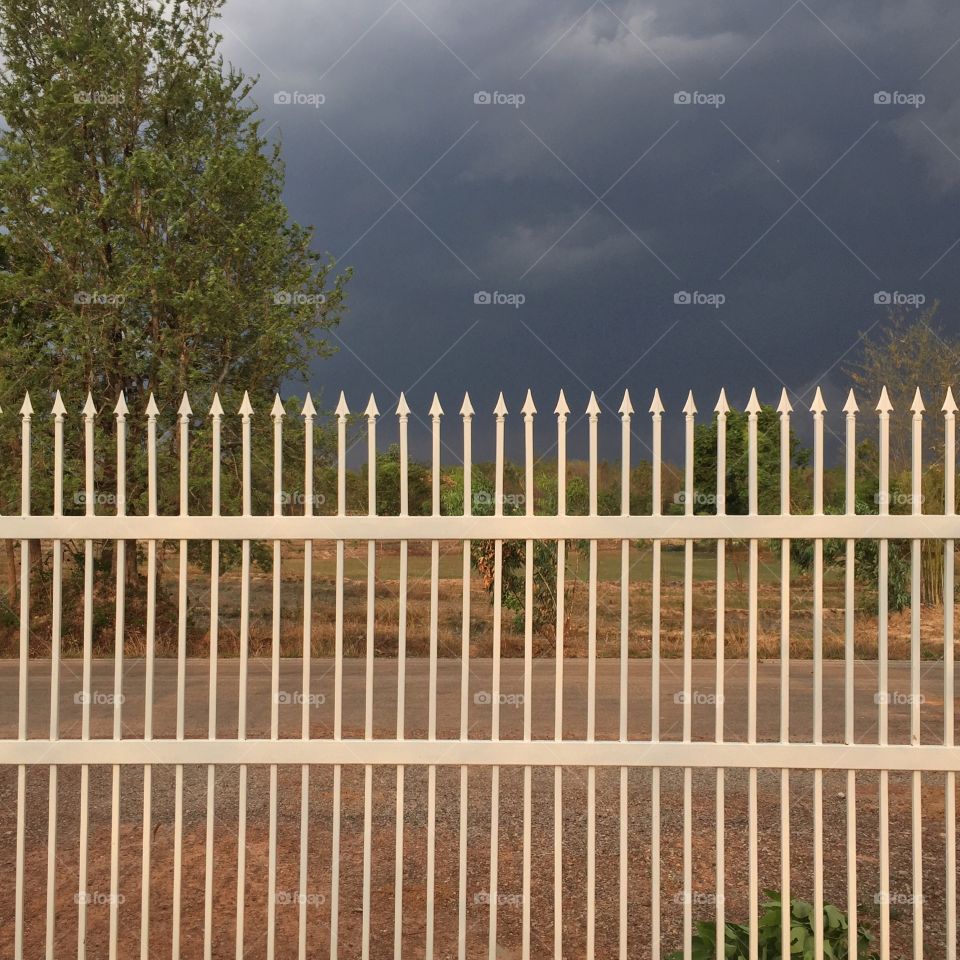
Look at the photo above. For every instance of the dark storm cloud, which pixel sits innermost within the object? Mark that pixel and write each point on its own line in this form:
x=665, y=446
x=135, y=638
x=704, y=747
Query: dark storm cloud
x=598, y=198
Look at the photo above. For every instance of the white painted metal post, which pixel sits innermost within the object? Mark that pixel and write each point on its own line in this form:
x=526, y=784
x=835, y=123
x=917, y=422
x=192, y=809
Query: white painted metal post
x=818, y=408
x=950, y=799
x=277, y=413
x=26, y=412
x=371, y=413
x=916, y=508
x=89, y=412
x=403, y=414
x=689, y=416
x=500, y=411
x=216, y=415
x=529, y=411
x=656, y=411
x=722, y=409
x=562, y=411
x=753, y=410
x=884, y=407
x=308, y=413
x=850, y=409
x=466, y=411
x=436, y=412
x=118, y=633
x=593, y=413
x=342, y=412
x=626, y=412
x=151, y=411
x=784, y=408
x=246, y=412
x=184, y=414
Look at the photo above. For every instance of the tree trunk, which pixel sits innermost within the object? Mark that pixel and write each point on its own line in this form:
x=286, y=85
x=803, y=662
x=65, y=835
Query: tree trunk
x=931, y=572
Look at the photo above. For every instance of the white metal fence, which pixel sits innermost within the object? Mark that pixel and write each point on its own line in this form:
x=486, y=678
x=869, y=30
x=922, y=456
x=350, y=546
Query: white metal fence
x=931, y=760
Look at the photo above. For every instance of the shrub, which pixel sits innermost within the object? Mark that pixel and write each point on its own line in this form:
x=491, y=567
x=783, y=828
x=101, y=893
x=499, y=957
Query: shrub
x=836, y=935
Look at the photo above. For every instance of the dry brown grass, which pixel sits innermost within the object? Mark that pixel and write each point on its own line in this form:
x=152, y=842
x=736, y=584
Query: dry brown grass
x=450, y=612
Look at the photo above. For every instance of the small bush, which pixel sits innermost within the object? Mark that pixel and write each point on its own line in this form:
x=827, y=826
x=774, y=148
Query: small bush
x=836, y=935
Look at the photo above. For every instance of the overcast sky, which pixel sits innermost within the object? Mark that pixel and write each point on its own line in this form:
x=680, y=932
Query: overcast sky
x=782, y=193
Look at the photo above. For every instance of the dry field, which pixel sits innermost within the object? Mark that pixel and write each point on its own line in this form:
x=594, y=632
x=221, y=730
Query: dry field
x=481, y=619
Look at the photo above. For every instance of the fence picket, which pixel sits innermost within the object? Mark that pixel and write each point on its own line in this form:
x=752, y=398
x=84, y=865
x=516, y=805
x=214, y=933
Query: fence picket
x=26, y=413
x=216, y=416
x=562, y=410
x=950, y=799
x=850, y=409
x=403, y=415
x=626, y=412
x=656, y=412
x=884, y=408
x=466, y=412
x=308, y=413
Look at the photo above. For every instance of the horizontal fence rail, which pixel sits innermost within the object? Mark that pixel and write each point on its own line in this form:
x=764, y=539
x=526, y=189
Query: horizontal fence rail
x=597, y=807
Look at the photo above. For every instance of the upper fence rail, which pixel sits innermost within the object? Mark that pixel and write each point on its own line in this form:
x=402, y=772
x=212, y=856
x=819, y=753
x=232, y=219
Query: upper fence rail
x=101, y=511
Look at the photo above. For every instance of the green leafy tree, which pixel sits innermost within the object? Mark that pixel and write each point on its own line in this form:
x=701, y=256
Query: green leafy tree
x=737, y=472
x=146, y=246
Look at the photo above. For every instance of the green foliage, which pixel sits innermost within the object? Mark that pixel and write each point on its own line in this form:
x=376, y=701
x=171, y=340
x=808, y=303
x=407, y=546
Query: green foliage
x=737, y=487
x=513, y=565
x=836, y=935
x=146, y=246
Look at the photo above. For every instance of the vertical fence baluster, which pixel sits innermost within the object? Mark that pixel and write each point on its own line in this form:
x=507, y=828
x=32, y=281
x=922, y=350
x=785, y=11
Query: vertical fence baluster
x=152, y=411
x=184, y=414
x=529, y=411
x=850, y=409
x=26, y=412
x=626, y=412
x=277, y=413
x=884, y=407
x=916, y=508
x=950, y=805
x=56, y=629
x=308, y=413
x=753, y=410
x=562, y=411
x=371, y=413
x=246, y=412
x=89, y=412
x=500, y=412
x=656, y=411
x=436, y=412
x=722, y=409
x=690, y=412
x=818, y=408
x=342, y=413
x=593, y=413
x=216, y=413
x=466, y=411
x=403, y=414
x=120, y=613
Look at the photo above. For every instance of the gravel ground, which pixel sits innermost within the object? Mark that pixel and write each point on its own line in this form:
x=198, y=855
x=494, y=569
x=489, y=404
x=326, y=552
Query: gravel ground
x=509, y=889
